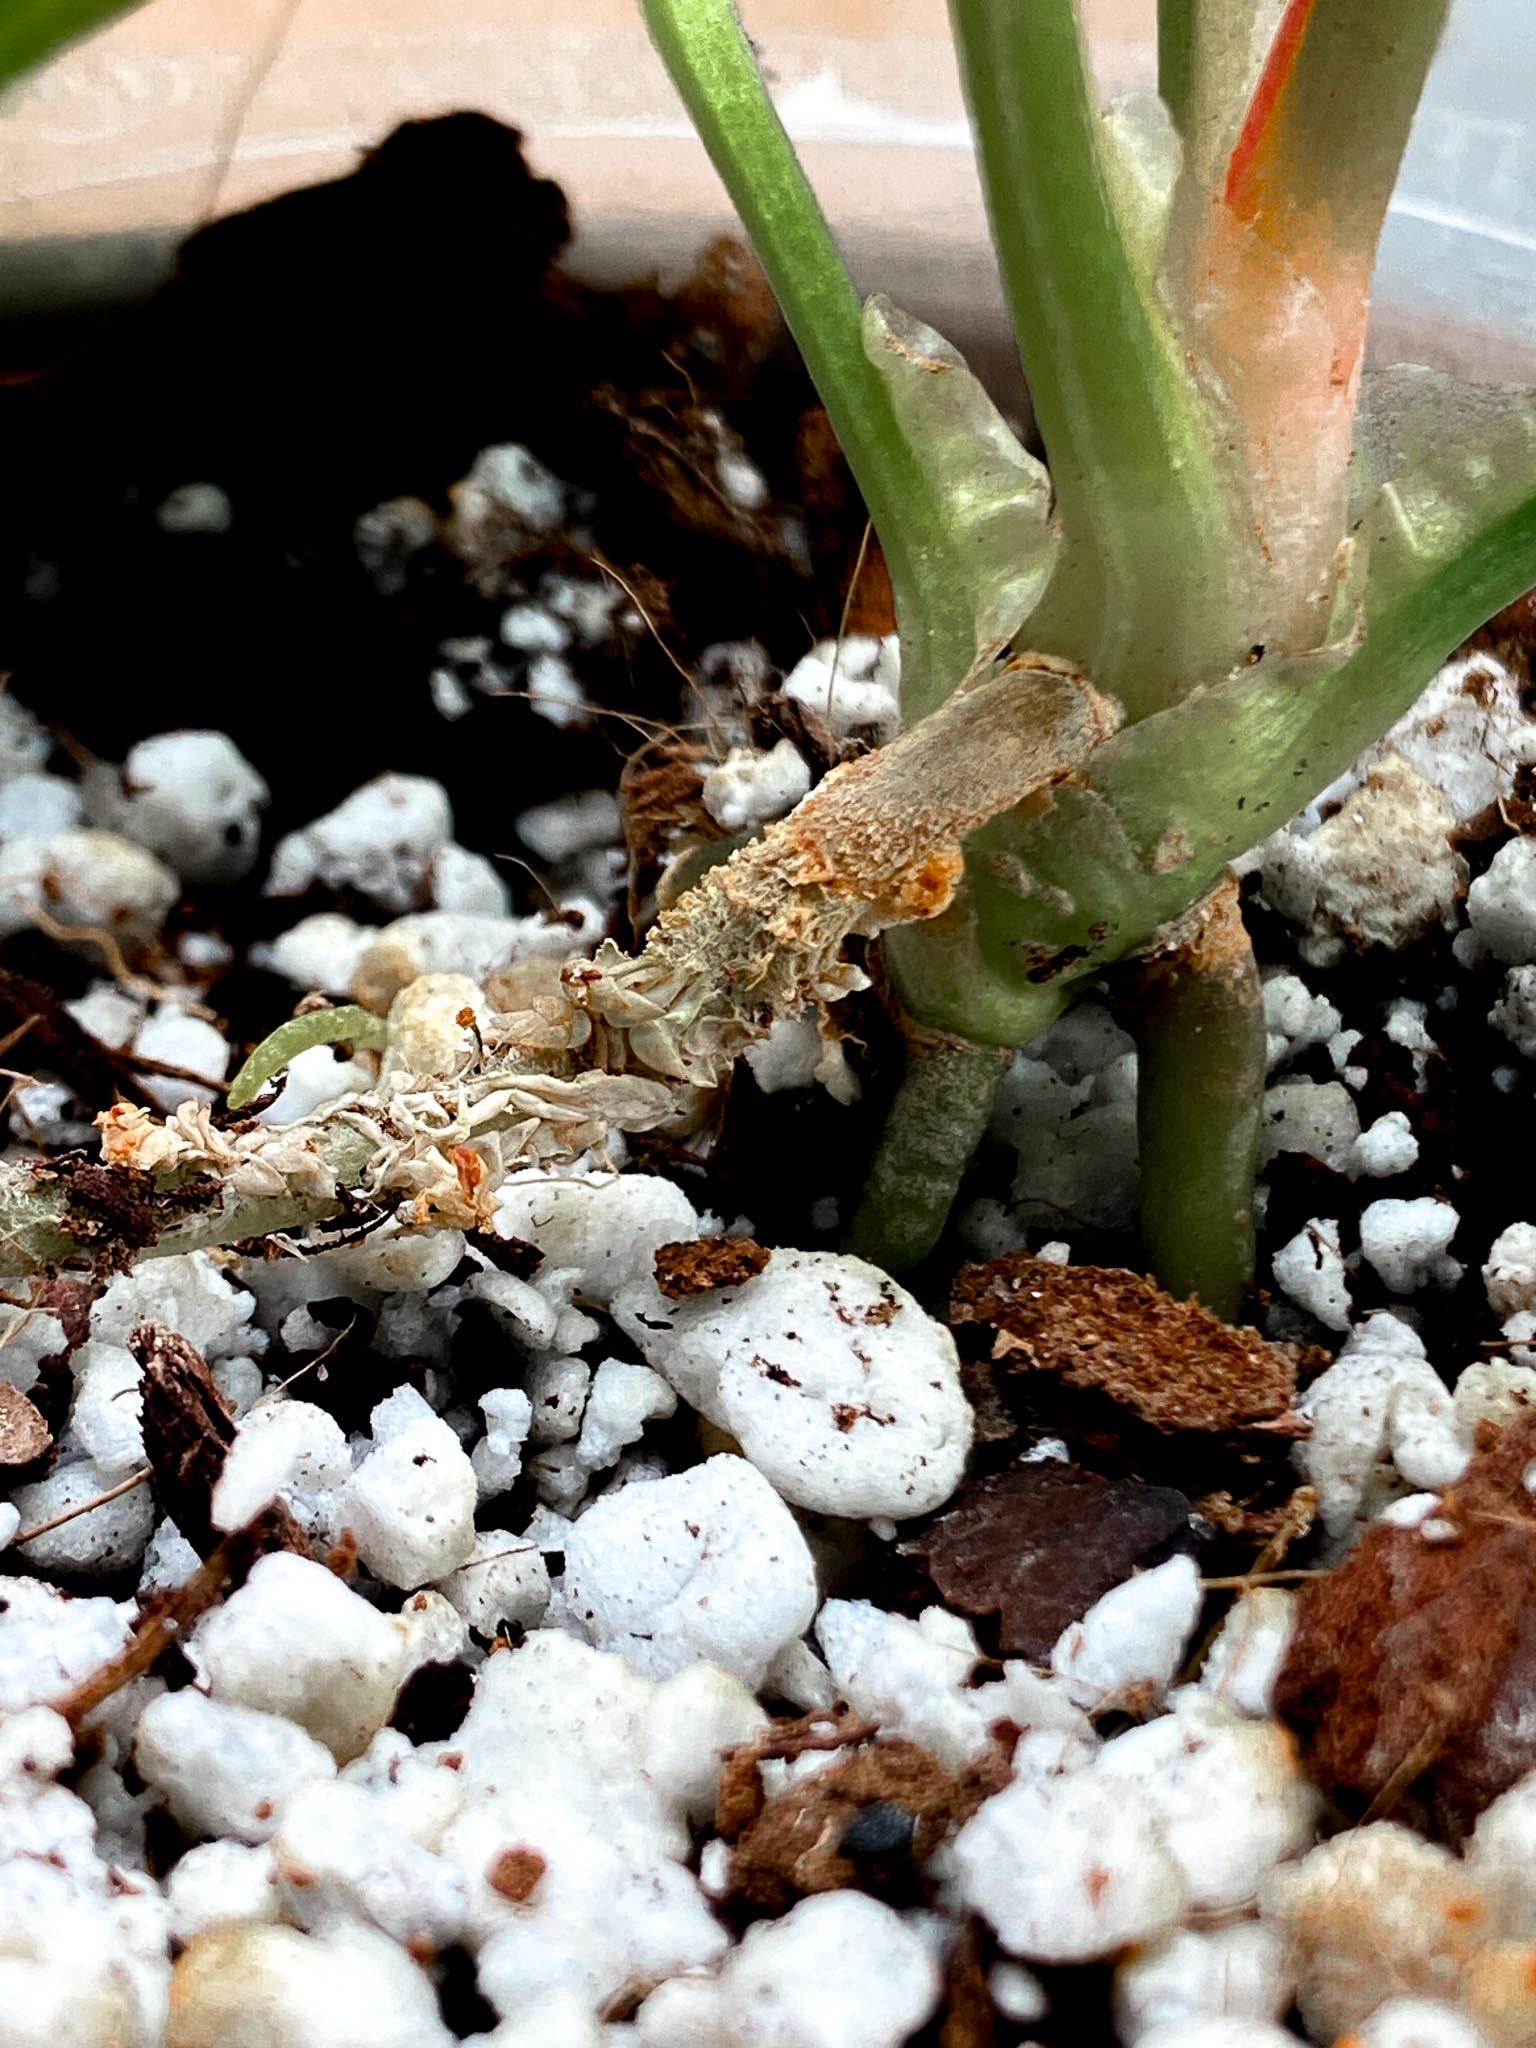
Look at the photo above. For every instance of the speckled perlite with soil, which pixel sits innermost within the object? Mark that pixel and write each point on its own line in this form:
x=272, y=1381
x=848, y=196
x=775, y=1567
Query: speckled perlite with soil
x=559, y=1596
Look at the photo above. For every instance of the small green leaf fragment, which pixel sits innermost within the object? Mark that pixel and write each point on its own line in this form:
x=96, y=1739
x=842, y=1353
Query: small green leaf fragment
x=315, y=1027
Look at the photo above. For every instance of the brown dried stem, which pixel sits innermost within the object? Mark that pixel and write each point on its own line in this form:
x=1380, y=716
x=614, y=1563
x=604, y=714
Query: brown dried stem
x=160, y=1630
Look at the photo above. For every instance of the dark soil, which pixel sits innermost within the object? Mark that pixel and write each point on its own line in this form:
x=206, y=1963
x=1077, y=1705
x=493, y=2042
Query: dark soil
x=335, y=348
x=362, y=340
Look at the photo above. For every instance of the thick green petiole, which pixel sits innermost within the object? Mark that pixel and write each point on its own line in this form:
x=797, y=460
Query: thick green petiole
x=1208, y=58
x=1176, y=32
x=1198, y=1021
x=1269, y=255
x=1310, y=166
x=1146, y=595
x=712, y=65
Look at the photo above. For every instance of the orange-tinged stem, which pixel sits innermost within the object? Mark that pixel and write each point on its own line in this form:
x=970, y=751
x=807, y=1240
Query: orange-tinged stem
x=1244, y=184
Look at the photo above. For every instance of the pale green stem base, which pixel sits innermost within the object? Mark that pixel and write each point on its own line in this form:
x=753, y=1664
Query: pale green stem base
x=1199, y=1026
x=932, y=1130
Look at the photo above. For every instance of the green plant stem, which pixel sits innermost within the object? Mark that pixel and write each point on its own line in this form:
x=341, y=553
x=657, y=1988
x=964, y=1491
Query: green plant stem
x=1094, y=869
x=1176, y=58
x=713, y=68
x=1207, y=61
x=1311, y=164
x=1144, y=597
x=44, y=1225
x=945, y=975
x=31, y=30
x=933, y=1127
x=1270, y=747
x=1198, y=1021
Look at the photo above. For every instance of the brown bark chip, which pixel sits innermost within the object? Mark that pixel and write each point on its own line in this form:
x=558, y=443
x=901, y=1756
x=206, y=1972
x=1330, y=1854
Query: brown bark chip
x=1414, y=1662
x=187, y=1429
x=70, y=1297
x=699, y=1265
x=1038, y=1544
x=23, y=1433
x=1169, y=1365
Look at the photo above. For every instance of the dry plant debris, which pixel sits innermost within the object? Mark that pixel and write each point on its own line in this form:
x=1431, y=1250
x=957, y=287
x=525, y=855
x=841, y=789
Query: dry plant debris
x=1169, y=1365
x=35, y=1028
x=740, y=1796
x=24, y=1435
x=661, y=795
x=1413, y=1663
x=680, y=451
x=608, y=1043
x=700, y=1265
x=164, y=1624
x=187, y=1430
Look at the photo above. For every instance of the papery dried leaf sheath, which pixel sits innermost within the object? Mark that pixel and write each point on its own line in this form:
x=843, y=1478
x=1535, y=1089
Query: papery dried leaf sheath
x=610, y=1047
